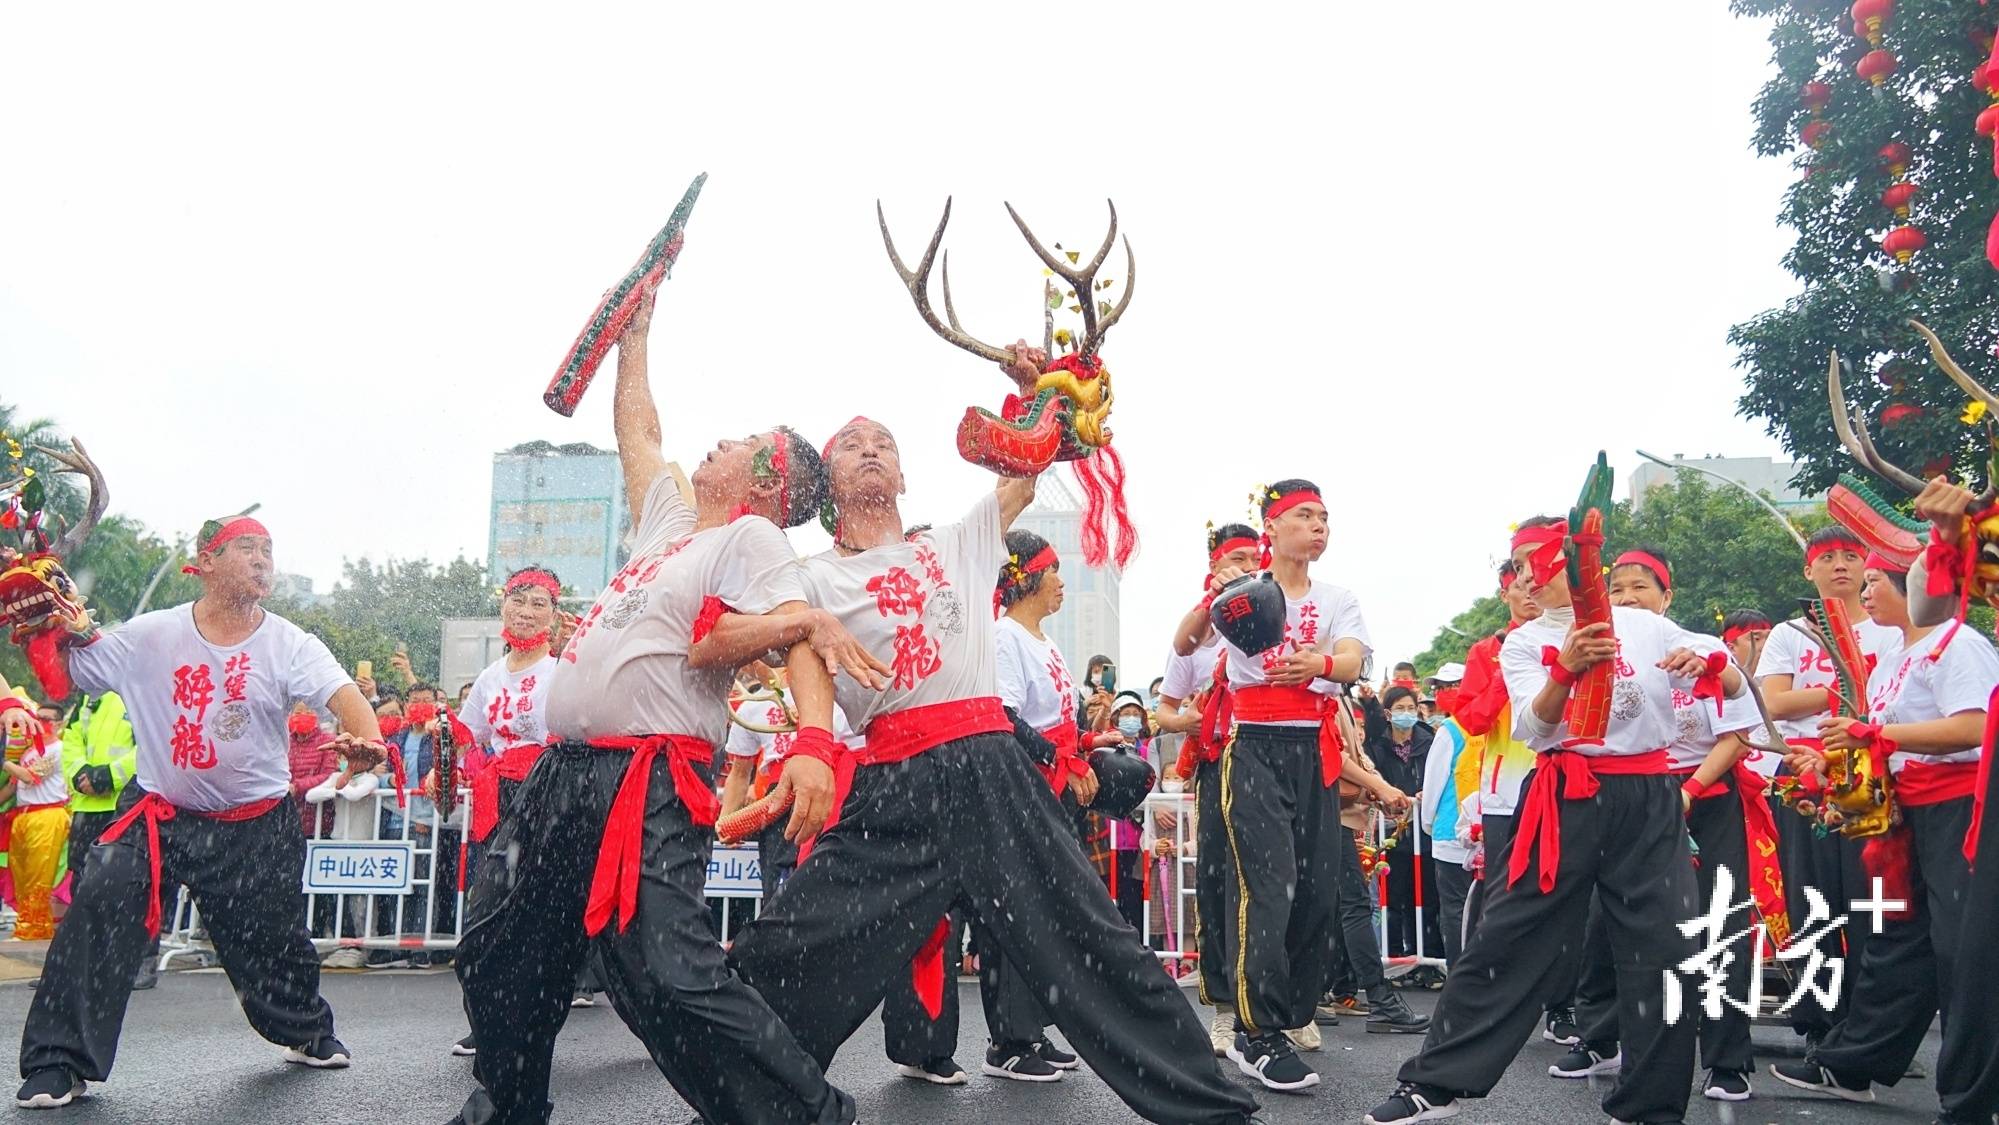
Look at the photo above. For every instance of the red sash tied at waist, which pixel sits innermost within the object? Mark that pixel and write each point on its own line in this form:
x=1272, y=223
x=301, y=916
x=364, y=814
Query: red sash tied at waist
x=1933, y=783
x=614, y=885
x=1563, y=775
x=512, y=764
x=1069, y=760
x=901, y=735
x=154, y=808
x=1268, y=703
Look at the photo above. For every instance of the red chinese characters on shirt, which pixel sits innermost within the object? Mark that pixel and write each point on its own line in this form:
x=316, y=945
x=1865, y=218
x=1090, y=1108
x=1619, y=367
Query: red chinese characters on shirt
x=236, y=678
x=1059, y=673
x=1308, y=625
x=933, y=568
x=898, y=593
x=636, y=573
x=916, y=656
x=500, y=716
x=193, y=691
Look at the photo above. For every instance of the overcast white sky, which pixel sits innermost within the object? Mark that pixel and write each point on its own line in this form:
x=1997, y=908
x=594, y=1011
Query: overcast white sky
x=327, y=258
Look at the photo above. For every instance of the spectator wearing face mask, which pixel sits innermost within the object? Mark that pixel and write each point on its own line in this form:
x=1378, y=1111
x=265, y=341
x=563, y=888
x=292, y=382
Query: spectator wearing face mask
x=1124, y=863
x=1398, y=743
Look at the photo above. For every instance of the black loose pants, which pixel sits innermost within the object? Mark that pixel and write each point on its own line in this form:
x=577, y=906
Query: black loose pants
x=245, y=879
x=1967, y=1074
x=1830, y=863
x=710, y=1034
x=1212, y=870
x=967, y=826
x=1628, y=843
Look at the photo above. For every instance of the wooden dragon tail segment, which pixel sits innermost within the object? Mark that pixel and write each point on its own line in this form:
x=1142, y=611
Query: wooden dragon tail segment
x=1589, y=703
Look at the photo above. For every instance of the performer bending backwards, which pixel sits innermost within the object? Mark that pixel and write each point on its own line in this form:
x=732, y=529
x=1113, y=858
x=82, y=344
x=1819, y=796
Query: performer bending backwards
x=1280, y=808
x=1726, y=810
x=1794, y=673
x=1187, y=697
x=1594, y=814
x=946, y=811
x=607, y=843
x=208, y=687
x=1927, y=718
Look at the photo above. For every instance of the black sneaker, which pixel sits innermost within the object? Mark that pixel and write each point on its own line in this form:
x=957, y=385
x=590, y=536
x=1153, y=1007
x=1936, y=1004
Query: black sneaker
x=943, y=1071
x=1019, y=1062
x=1562, y=1028
x=1389, y=1014
x=1410, y=1103
x=466, y=1047
x=1272, y=1062
x=1727, y=1085
x=49, y=1088
x=1325, y=1014
x=1584, y=1060
x=325, y=1053
x=1808, y=1075
x=1055, y=1056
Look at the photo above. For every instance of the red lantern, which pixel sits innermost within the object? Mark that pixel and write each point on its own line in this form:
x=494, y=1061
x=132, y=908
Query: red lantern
x=1870, y=17
x=1816, y=96
x=1988, y=120
x=1815, y=132
x=1897, y=198
x=1895, y=157
x=1876, y=66
x=1895, y=413
x=1903, y=242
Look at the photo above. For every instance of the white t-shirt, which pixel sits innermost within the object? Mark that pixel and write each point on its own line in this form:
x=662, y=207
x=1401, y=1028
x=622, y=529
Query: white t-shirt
x=1641, y=709
x=1033, y=678
x=1791, y=653
x=1190, y=675
x=508, y=709
x=924, y=608
x=1948, y=672
x=1321, y=619
x=627, y=670
x=767, y=747
x=209, y=721
x=53, y=789
x=1698, y=727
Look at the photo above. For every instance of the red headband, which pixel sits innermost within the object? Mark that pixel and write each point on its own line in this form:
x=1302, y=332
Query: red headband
x=1042, y=561
x=1878, y=561
x=1819, y=550
x=1650, y=562
x=234, y=529
x=1730, y=636
x=780, y=460
x=540, y=578
x=1546, y=558
x=1226, y=546
x=1291, y=500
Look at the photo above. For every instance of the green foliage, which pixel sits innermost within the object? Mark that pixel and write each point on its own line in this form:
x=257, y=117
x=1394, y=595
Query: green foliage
x=1485, y=617
x=376, y=607
x=1854, y=298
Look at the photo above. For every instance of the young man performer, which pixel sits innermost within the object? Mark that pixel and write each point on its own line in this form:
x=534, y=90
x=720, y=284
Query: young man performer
x=946, y=811
x=1794, y=673
x=1968, y=1082
x=1596, y=813
x=1279, y=805
x=1191, y=691
x=208, y=686
x=1926, y=718
x=608, y=840
x=1726, y=810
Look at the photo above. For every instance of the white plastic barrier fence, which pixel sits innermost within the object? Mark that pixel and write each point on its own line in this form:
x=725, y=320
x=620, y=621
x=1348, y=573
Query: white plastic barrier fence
x=1424, y=895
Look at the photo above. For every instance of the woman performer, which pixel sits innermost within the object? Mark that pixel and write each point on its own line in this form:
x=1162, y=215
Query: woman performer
x=1927, y=710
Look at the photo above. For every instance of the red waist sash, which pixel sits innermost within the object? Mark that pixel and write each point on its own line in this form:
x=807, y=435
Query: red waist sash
x=154, y=808
x=614, y=885
x=1068, y=757
x=1574, y=775
x=901, y=735
x=1933, y=783
x=512, y=764
x=1268, y=703
x=1766, y=876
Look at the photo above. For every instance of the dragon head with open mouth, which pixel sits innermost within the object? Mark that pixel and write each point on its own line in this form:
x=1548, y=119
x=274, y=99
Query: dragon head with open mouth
x=39, y=603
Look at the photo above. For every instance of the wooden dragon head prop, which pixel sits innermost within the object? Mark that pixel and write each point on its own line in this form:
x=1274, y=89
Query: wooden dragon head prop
x=38, y=600
x=1877, y=521
x=1065, y=417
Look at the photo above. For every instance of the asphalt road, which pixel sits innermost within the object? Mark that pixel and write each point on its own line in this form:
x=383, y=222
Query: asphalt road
x=187, y=1056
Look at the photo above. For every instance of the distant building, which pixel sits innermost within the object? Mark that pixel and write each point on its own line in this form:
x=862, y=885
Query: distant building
x=470, y=644
x=559, y=506
x=1761, y=474
x=1087, y=624
x=295, y=589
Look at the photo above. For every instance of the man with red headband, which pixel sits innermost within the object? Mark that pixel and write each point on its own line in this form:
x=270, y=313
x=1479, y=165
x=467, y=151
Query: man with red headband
x=1794, y=673
x=606, y=847
x=1599, y=812
x=1279, y=802
x=208, y=687
x=1192, y=692
x=939, y=790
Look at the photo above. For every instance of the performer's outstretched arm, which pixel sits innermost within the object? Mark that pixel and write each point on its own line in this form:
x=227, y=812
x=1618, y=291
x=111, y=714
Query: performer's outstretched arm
x=740, y=638
x=634, y=415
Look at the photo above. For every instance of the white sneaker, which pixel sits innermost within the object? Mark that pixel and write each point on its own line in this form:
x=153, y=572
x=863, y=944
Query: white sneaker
x=583, y=1000
x=1221, y=1032
x=1306, y=1038
x=346, y=957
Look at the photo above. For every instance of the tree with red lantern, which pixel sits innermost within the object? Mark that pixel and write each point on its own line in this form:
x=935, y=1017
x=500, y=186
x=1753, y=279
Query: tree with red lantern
x=1883, y=105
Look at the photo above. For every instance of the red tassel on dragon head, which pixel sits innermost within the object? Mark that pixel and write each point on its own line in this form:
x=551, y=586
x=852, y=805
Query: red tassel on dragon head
x=1062, y=414
x=39, y=602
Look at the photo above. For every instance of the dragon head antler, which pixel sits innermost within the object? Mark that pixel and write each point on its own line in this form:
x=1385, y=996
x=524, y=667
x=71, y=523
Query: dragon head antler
x=1084, y=281
x=1851, y=425
x=77, y=460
